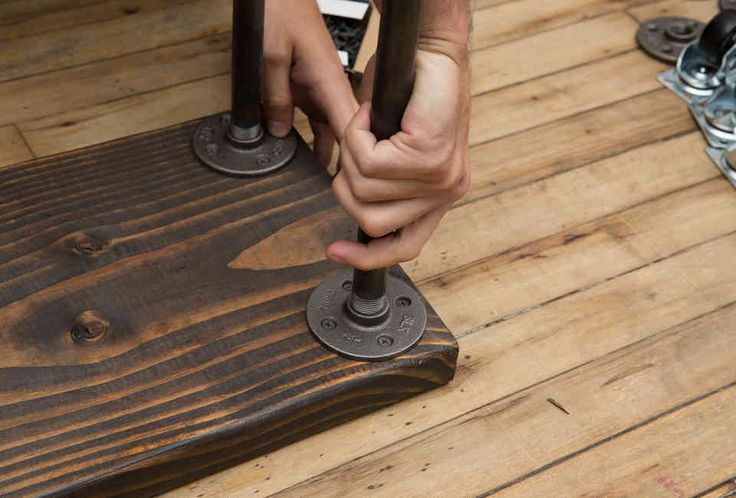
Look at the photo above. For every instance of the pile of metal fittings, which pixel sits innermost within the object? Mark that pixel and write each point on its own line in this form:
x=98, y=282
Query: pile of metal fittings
x=705, y=75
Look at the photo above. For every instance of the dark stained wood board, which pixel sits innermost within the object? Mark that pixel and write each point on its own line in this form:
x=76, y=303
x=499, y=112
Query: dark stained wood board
x=152, y=320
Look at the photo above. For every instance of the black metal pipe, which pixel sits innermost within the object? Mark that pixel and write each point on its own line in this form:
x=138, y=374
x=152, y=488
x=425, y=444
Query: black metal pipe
x=392, y=88
x=393, y=81
x=248, y=21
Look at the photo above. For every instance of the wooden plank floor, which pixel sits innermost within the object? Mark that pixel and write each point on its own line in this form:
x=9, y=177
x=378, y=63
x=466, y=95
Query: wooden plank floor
x=589, y=274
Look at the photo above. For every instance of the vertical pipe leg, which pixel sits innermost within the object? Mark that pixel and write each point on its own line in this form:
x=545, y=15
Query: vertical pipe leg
x=371, y=315
x=392, y=88
x=235, y=143
x=248, y=20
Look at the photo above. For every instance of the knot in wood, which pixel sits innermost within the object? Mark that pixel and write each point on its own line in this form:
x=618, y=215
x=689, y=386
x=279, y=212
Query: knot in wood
x=89, y=326
x=86, y=244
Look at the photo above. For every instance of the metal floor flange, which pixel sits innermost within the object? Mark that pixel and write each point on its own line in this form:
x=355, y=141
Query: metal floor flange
x=371, y=315
x=358, y=337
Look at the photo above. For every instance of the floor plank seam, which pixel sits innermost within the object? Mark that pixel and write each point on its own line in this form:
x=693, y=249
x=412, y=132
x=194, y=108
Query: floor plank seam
x=108, y=101
x=429, y=432
x=529, y=309
x=584, y=164
x=506, y=2
x=25, y=142
x=112, y=101
x=82, y=3
x=583, y=19
x=121, y=98
x=731, y=480
x=619, y=434
x=576, y=114
x=70, y=28
x=116, y=57
x=632, y=16
x=716, y=176
x=556, y=72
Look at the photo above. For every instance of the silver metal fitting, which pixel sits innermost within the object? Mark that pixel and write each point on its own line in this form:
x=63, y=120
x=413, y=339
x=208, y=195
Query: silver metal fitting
x=707, y=82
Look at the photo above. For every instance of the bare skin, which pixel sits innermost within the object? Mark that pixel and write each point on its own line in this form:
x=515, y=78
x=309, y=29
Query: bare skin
x=399, y=189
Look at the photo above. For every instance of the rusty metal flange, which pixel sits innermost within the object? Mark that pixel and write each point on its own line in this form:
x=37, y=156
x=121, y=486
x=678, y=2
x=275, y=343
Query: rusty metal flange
x=215, y=146
x=332, y=322
x=664, y=38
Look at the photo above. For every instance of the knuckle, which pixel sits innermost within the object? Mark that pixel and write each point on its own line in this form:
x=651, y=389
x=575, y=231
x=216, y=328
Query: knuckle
x=446, y=153
x=440, y=168
x=351, y=136
x=374, y=227
x=367, y=167
x=362, y=191
x=339, y=187
x=461, y=188
x=450, y=180
x=358, y=187
x=276, y=58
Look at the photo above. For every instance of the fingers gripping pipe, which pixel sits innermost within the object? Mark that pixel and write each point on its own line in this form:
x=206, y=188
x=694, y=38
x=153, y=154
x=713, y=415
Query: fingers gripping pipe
x=371, y=315
x=364, y=315
x=235, y=142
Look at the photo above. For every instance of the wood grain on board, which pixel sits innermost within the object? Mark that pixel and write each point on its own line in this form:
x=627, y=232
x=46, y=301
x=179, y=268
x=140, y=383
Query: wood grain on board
x=496, y=362
x=530, y=433
x=148, y=341
x=595, y=242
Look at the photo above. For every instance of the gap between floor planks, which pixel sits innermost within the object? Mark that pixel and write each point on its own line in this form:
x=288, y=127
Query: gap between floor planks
x=564, y=316
x=630, y=378
x=698, y=164
x=13, y=147
x=511, y=51
x=35, y=124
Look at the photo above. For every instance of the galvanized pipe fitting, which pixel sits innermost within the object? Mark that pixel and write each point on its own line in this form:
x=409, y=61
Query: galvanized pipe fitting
x=372, y=315
x=235, y=143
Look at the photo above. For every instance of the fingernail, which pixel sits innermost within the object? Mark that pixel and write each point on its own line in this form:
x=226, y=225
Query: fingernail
x=277, y=128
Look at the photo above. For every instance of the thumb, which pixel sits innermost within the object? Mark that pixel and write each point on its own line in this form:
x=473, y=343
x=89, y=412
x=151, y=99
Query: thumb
x=276, y=99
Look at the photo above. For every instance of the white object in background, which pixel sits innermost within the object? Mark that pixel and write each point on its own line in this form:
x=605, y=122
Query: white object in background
x=344, y=57
x=343, y=8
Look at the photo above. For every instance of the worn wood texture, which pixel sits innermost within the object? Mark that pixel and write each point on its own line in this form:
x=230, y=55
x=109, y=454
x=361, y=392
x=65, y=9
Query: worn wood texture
x=591, y=262
x=153, y=321
x=13, y=148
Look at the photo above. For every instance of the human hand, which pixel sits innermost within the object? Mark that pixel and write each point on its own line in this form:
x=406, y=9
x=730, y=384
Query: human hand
x=301, y=68
x=399, y=189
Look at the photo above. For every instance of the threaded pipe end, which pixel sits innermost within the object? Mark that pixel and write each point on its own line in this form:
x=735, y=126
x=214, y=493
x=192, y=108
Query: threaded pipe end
x=369, y=308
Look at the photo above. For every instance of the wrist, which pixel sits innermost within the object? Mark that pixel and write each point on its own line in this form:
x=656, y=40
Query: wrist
x=446, y=27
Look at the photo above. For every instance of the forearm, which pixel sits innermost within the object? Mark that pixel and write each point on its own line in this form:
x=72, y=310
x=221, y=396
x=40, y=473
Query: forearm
x=445, y=26
x=446, y=20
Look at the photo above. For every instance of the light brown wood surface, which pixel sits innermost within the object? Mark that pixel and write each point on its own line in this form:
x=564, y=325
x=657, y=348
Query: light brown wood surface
x=591, y=263
x=14, y=149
